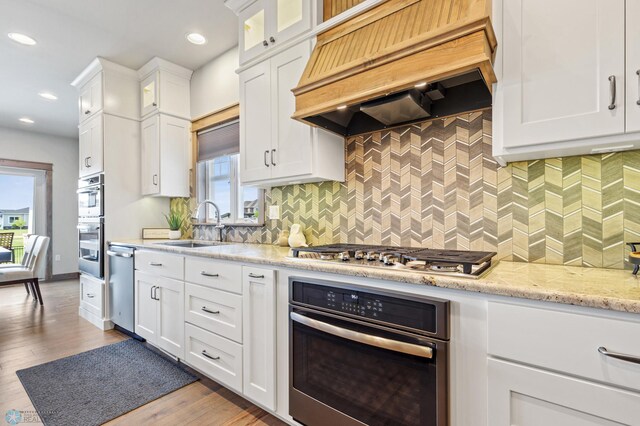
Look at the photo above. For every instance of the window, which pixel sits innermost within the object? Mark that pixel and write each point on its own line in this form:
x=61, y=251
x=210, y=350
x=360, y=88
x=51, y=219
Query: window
x=13, y=219
x=218, y=179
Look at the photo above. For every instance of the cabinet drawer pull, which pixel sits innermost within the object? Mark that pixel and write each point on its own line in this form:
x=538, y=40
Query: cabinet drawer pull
x=206, y=274
x=265, y=158
x=155, y=264
x=155, y=104
x=272, y=39
x=204, y=308
x=252, y=275
x=616, y=355
x=87, y=112
x=612, y=89
x=91, y=296
x=265, y=43
x=638, y=74
x=215, y=358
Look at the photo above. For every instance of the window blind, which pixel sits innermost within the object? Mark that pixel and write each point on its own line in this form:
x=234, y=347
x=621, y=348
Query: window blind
x=219, y=141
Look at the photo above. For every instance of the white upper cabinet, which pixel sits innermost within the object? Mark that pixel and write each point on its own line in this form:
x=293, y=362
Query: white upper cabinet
x=165, y=156
x=265, y=24
x=563, y=81
x=274, y=148
x=90, y=98
x=164, y=87
x=91, y=146
x=633, y=66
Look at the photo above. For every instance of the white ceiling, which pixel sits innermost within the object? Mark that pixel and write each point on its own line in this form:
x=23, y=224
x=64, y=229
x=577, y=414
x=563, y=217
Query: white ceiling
x=70, y=33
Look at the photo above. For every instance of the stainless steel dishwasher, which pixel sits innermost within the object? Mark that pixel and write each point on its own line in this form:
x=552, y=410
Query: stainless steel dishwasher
x=121, y=287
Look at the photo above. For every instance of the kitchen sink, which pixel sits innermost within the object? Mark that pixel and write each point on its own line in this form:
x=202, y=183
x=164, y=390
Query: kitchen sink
x=192, y=244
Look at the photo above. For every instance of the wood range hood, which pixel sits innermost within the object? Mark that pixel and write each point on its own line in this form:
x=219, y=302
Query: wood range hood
x=400, y=62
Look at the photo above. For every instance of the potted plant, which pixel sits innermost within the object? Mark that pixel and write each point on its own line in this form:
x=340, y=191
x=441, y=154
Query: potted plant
x=175, y=221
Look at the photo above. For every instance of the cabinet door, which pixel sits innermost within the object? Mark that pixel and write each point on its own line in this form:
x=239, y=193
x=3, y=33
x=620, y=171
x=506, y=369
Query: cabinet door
x=90, y=100
x=561, y=70
x=633, y=66
x=525, y=396
x=146, y=307
x=253, y=31
x=291, y=17
x=149, y=94
x=150, y=155
x=174, y=156
x=170, y=325
x=91, y=139
x=259, y=335
x=255, y=123
x=292, y=143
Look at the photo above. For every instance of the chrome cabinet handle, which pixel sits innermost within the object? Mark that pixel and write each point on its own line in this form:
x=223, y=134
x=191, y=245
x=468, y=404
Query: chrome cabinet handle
x=152, y=288
x=89, y=162
x=638, y=74
x=91, y=296
x=629, y=358
x=155, y=180
x=154, y=104
x=204, y=308
x=265, y=158
x=380, y=342
x=265, y=43
x=87, y=112
x=155, y=264
x=272, y=39
x=155, y=293
x=273, y=151
x=612, y=89
x=206, y=274
x=252, y=275
x=215, y=358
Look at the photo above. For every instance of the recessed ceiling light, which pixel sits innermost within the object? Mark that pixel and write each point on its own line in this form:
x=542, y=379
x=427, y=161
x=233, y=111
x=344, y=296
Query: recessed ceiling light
x=341, y=107
x=196, y=38
x=424, y=83
x=27, y=120
x=22, y=39
x=48, y=95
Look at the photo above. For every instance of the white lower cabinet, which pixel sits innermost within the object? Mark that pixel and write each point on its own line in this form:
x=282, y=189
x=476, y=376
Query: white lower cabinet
x=159, y=312
x=214, y=310
x=259, y=306
x=525, y=396
x=215, y=356
x=92, y=306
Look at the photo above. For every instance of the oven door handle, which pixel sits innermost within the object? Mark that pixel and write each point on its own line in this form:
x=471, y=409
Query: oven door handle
x=380, y=342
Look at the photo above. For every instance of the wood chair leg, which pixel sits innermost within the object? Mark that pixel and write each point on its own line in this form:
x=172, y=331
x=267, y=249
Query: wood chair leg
x=37, y=286
x=33, y=291
x=26, y=286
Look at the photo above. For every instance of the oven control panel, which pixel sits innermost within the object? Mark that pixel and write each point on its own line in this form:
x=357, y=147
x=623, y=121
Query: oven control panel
x=414, y=314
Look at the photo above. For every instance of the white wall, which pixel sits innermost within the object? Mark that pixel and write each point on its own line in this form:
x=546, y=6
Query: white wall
x=63, y=154
x=215, y=85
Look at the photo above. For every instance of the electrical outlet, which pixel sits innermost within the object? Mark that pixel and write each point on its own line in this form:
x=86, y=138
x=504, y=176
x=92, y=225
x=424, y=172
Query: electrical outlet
x=57, y=258
x=274, y=212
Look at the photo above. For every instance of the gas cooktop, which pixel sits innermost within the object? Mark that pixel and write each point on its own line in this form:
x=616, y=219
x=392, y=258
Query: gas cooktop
x=469, y=264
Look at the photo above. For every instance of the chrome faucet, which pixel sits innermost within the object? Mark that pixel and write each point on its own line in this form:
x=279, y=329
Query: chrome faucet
x=195, y=217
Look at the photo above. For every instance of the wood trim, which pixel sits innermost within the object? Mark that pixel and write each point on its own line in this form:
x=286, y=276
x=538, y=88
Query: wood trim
x=333, y=8
x=217, y=117
x=25, y=164
x=446, y=60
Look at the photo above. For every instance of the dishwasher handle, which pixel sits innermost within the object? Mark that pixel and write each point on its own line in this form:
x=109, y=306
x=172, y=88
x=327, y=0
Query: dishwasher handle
x=118, y=254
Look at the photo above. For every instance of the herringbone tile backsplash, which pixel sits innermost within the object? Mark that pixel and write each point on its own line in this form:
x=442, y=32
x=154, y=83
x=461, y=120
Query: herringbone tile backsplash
x=436, y=185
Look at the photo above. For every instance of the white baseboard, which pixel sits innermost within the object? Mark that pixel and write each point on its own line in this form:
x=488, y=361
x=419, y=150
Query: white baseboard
x=102, y=323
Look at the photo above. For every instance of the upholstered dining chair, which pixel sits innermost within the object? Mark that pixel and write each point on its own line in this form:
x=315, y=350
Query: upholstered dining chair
x=28, y=272
x=29, y=242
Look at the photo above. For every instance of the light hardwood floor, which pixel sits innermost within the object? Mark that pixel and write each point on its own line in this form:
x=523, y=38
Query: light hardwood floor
x=31, y=335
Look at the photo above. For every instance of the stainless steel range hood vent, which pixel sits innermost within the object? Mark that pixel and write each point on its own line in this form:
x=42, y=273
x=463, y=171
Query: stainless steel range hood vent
x=399, y=108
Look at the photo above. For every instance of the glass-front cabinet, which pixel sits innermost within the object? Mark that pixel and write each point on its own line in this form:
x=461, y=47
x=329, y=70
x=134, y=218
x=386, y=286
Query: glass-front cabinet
x=149, y=94
x=265, y=23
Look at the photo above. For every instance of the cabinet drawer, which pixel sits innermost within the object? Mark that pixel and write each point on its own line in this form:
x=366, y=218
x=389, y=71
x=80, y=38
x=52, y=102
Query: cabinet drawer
x=565, y=342
x=91, y=295
x=214, y=310
x=215, y=356
x=158, y=263
x=220, y=275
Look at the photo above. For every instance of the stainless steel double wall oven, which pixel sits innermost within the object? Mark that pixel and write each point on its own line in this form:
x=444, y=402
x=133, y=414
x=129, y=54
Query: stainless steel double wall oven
x=359, y=356
x=91, y=225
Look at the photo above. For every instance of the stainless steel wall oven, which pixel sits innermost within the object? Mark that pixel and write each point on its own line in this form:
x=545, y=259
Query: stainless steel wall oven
x=359, y=356
x=90, y=196
x=91, y=225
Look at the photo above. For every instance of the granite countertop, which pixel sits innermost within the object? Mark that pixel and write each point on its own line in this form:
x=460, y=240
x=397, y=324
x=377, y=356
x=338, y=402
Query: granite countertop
x=612, y=289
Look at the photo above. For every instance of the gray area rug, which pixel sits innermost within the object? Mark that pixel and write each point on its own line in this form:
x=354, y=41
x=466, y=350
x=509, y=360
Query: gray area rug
x=93, y=387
